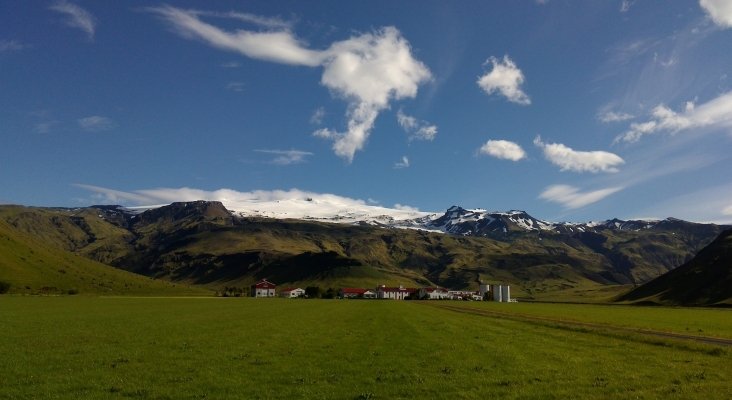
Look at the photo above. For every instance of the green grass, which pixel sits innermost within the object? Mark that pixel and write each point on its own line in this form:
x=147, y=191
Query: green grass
x=714, y=322
x=193, y=348
x=31, y=266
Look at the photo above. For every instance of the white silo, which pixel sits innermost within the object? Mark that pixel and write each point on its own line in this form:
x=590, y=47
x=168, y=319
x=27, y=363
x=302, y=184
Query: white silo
x=497, y=293
x=484, y=288
x=506, y=293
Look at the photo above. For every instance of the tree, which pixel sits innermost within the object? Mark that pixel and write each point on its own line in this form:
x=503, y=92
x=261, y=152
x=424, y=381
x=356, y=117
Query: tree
x=312, y=292
x=4, y=287
x=330, y=294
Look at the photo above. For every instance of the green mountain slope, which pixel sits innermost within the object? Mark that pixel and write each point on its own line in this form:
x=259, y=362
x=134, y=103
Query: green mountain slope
x=705, y=280
x=202, y=243
x=33, y=266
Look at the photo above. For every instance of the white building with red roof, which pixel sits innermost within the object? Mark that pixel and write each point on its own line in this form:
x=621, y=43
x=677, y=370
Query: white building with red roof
x=434, y=293
x=292, y=293
x=263, y=288
x=356, y=293
x=395, y=293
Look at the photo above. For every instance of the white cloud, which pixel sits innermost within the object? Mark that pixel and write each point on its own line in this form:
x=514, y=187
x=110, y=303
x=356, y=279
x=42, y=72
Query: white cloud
x=506, y=79
x=503, y=149
x=417, y=130
x=287, y=157
x=278, y=46
x=570, y=197
x=368, y=71
x=719, y=10
x=231, y=64
x=716, y=113
x=235, y=86
x=11, y=45
x=611, y=116
x=579, y=161
x=44, y=127
x=96, y=123
x=318, y=115
x=265, y=22
x=293, y=203
x=404, y=207
x=76, y=17
x=727, y=210
x=117, y=196
x=625, y=5
x=404, y=163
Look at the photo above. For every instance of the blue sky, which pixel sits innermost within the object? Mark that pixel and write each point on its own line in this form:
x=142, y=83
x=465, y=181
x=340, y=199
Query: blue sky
x=570, y=110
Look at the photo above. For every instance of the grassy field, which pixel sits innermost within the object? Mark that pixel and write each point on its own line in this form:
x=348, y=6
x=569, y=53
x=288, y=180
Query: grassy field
x=715, y=322
x=198, y=348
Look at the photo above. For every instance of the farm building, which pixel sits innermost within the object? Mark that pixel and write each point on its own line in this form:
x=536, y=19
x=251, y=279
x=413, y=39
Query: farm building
x=263, y=288
x=352, y=293
x=396, y=293
x=433, y=293
x=292, y=292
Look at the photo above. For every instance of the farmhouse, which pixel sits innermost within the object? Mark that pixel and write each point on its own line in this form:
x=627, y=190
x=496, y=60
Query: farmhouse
x=263, y=288
x=396, y=293
x=352, y=293
x=433, y=293
x=292, y=292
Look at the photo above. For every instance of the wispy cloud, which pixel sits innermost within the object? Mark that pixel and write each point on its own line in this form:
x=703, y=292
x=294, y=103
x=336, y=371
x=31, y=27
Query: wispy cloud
x=235, y=86
x=293, y=203
x=504, y=78
x=96, y=123
x=287, y=157
x=403, y=163
x=76, y=17
x=720, y=11
x=44, y=126
x=571, y=197
x=231, y=64
x=611, y=116
x=579, y=161
x=416, y=129
x=258, y=20
x=404, y=207
x=368, y=70
x=625, y=5
x=318, y=115
x=7, y=46
x=503, y=149
x=716, y=113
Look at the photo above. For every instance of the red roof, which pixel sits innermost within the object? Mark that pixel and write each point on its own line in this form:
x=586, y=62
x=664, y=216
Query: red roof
x=398, y=289
x=289, y=289
x=432, y=289
x=351, y=290
x=264, y=284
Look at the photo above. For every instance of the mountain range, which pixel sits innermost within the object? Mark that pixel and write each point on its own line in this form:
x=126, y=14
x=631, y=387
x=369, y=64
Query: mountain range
x=205, y=244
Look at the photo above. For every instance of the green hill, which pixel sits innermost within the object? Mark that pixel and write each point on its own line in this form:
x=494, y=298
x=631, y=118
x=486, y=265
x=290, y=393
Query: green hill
x=36, y=265
x=705, y=280
x=201, y=243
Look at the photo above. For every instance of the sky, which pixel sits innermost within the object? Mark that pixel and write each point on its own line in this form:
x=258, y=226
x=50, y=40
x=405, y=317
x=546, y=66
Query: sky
x=571, y=110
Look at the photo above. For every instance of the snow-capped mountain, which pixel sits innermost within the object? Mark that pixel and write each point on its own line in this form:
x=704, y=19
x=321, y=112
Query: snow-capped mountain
x=456, y=220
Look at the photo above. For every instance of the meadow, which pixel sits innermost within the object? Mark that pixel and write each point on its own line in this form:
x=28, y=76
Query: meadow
x=214, y=348
x=714, y=322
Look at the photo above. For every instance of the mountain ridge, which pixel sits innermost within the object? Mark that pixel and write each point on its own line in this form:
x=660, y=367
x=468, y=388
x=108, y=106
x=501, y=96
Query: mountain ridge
x=204, y=243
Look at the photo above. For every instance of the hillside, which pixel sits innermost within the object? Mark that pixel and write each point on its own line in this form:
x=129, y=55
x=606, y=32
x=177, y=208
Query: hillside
x=203, y=243
x=704, y=280
x=34, y=263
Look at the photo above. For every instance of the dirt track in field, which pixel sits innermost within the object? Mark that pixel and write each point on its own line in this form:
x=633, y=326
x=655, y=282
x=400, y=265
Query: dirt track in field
x=577, y=324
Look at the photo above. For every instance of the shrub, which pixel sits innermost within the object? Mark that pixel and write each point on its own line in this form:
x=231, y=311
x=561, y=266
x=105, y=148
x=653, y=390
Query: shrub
x=4, y=287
